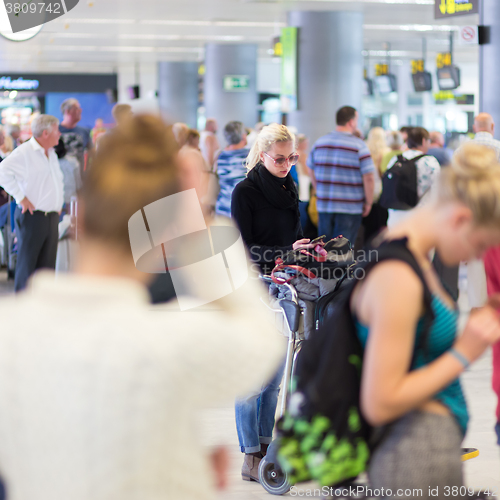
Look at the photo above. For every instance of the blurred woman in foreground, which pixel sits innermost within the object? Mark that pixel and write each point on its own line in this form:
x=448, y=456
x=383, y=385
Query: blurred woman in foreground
x=410, y=386
x=98, y=393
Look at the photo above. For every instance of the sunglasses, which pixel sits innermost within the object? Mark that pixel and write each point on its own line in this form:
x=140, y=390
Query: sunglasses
x=279, y=162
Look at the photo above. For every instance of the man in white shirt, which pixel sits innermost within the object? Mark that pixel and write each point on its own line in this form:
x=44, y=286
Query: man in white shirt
x=484, y=128
x=31, y=174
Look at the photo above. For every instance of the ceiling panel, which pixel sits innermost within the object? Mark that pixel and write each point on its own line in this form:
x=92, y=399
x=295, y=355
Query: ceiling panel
x=97, y=35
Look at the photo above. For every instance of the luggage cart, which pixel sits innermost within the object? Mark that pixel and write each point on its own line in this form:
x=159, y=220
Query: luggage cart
x=290, y=321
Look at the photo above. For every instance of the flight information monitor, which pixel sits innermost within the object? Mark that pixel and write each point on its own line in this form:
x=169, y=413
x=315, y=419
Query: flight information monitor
x=422, y=81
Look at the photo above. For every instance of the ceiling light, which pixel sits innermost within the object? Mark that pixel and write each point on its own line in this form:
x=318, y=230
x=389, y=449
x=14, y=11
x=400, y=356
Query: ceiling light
x=167, y=22
x=411, y=27
x=13, y=94
x=95, y=21
x=66, y=34
x=101, y=48
x=133, y=36
x=385, y=53
x=250, y=24
x=240, y=24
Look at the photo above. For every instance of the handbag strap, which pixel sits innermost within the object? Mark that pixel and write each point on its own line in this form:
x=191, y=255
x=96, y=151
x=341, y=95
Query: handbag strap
x=281, y=267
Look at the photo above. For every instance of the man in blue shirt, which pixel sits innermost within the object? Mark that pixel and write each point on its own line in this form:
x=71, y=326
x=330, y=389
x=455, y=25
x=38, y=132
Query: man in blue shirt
x=76, y=139
x=437, y=149
x=344, y=178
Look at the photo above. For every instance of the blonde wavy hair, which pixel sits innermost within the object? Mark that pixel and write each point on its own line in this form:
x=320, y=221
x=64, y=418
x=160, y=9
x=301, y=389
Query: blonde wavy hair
x=269, y=135
x=377, y=145
x=473, y=178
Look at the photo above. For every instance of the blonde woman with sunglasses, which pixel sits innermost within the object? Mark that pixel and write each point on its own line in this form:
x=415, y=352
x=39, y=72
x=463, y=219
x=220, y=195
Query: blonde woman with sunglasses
x=266, y=208
x=266, y=204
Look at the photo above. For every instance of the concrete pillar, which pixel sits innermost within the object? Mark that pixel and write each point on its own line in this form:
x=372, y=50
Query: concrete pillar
x=489, y=55
x=225, y=106
x=330, y=68
x=178, y=91
x=405, y=85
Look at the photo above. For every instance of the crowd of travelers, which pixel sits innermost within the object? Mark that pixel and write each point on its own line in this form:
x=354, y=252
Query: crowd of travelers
x=97, y=392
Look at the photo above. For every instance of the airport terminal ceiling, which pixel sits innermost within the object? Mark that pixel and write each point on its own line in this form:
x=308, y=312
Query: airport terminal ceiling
x=99, y=35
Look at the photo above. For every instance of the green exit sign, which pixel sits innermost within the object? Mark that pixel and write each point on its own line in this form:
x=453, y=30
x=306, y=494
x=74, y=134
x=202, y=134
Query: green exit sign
x=236, y=83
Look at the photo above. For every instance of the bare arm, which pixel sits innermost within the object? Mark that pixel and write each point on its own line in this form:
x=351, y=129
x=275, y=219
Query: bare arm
x=390, y=303
x=212, y=145
x=313, y=178
x=369, y=188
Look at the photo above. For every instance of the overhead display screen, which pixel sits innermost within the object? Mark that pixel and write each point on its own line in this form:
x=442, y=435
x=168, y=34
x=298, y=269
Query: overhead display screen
x=422, y=81
x=386, y=84
x=448, y=78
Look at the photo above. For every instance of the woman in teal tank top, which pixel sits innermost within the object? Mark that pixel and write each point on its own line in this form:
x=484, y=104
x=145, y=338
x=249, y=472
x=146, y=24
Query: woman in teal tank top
x=410, y=389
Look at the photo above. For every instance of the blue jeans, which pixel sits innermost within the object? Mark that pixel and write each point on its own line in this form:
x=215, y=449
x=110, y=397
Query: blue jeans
x=333, y=225
x=255, y=415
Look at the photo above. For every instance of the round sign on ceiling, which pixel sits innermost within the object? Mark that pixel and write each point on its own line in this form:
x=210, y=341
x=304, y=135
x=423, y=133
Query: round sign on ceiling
x=20, y=35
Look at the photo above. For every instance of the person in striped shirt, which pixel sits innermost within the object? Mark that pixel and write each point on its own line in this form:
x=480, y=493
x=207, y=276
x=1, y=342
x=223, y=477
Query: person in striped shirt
x=230, y=165
x=343, y=175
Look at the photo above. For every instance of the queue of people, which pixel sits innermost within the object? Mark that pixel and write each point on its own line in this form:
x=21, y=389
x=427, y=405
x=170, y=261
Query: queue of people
x=121, y=386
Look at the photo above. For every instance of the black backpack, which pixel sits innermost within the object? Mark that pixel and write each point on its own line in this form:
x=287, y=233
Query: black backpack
x=323, y=435
x=399, y=184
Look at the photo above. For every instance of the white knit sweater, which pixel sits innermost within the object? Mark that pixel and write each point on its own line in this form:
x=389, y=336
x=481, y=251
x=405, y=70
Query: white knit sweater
x=98, y=392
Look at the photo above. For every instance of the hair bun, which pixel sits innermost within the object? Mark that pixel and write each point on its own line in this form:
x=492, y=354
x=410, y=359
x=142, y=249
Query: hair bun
x=474, y=161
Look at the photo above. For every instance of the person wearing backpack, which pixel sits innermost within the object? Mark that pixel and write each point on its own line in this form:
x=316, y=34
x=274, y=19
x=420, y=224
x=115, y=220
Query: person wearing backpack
x=427, y=169
x=410, y=389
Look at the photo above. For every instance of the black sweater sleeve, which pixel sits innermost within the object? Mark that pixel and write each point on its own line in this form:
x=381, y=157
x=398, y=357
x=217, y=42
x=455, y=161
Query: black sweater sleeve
x=242, y=213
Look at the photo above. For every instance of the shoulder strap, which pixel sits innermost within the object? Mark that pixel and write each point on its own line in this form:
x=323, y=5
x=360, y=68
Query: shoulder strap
x=416, y=158
x=398, y=250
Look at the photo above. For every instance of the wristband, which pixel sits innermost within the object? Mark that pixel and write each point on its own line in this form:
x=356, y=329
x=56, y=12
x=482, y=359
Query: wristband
x=460, y=357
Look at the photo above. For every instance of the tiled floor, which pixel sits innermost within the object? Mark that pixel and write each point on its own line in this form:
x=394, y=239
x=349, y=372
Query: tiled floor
x=480, y=472
x=6, y=286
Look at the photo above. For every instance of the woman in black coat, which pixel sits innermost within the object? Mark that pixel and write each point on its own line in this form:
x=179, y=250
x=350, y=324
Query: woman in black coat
x=265, y=207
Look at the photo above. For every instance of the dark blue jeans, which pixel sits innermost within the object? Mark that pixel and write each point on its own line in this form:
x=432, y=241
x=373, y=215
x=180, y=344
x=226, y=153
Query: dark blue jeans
x=255, y=415
x=333, y=225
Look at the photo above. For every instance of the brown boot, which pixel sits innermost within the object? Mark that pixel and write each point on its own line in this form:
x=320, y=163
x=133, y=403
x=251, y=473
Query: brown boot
x=250, y=469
